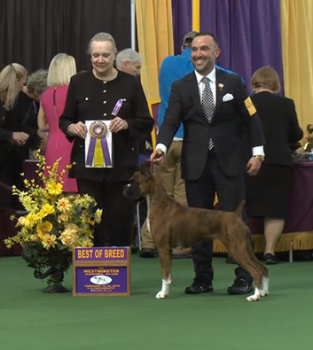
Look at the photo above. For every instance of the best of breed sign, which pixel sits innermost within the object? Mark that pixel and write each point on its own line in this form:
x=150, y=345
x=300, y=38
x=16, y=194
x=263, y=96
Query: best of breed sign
x=101, y=271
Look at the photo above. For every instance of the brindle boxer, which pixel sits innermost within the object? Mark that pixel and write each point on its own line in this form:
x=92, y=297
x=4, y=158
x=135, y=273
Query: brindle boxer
x=173, y=224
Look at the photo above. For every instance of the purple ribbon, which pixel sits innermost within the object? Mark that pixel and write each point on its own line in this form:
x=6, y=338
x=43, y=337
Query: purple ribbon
x=117, y=107
x=98, y=129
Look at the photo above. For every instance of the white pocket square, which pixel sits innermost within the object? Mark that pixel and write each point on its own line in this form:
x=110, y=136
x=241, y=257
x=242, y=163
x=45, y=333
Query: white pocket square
x=228, y=97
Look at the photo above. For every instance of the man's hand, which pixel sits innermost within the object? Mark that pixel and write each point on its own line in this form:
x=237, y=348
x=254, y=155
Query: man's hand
x=79, y=129
x=20, y=138
x=157, y=157
x=117, y=124
x=254, y=166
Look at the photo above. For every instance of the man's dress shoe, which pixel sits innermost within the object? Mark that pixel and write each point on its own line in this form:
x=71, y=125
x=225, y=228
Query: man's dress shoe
x=240, y=286
x=199, y=287
x=147, y=253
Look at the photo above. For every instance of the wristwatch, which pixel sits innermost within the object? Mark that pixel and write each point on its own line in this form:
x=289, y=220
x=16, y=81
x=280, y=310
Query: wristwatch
x=261, y=158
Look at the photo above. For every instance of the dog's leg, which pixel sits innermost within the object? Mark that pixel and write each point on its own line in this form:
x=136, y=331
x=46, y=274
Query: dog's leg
x=265, y=290
x=165, y=262
x=256, y=296
x=242, y=252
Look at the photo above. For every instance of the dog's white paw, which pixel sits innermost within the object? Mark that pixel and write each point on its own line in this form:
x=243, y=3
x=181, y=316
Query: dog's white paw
x=256, y=296
x=161, y=295
x=253, y=297
x=264, y=293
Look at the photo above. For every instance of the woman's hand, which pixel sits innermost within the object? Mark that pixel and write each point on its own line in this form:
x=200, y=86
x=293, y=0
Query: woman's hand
x=20, y=138
x=117, y=124
x=79, y=129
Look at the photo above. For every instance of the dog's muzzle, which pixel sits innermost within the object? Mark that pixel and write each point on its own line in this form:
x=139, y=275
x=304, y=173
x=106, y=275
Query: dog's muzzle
x=131, y=191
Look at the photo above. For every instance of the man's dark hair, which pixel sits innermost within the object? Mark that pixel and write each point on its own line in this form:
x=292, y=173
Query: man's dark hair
x=187, y=43
x=208, y=34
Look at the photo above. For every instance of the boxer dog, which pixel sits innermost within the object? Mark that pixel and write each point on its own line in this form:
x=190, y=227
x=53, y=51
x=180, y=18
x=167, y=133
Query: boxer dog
x=174, y=225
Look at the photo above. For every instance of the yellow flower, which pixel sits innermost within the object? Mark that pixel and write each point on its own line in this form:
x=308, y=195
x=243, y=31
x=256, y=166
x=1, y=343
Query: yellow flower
x=98, y=215
x=21, y=221
x=31, y=219
x=90, y=221
x=89, y=233
x=46, y=209
x=63, y=205
x=34, y=238
x=86, y=243
x=8, y=243
x=44, y=228
x=68, y=238
x=63, y=217
x=54, y=188
x=49, y=241
x=72, y=228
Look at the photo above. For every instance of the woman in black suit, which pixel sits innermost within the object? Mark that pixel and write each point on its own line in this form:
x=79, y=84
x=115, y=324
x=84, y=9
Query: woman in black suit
x=92, y=95
x=268, y=192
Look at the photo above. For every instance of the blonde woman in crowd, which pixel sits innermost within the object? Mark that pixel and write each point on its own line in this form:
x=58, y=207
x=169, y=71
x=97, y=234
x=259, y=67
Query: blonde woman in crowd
x=61, y=69
x=12, y=133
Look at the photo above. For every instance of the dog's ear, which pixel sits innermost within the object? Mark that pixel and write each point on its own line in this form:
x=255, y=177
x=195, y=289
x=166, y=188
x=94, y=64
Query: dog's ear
x=145, y=168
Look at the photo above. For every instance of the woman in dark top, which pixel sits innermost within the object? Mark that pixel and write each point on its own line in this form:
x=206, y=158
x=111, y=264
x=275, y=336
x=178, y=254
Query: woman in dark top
x=92, y=95
x=27, y=107
x=13, y=135
x=268, y=192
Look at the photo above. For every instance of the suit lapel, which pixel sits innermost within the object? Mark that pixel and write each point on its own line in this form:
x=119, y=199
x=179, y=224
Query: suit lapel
x=220, y=88
x=194, y=91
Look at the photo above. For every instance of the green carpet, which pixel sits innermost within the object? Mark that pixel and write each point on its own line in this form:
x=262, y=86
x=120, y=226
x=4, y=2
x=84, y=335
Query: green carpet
x=31, y=320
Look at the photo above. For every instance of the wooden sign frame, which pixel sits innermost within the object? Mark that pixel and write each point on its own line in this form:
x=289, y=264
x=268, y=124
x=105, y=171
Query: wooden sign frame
x=111, y=265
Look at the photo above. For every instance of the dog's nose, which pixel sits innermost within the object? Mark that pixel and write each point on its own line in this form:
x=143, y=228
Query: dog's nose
x=126, y=190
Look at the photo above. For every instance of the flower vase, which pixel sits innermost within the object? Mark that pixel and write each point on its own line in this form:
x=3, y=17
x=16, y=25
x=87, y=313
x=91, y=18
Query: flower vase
x=55, y=279
x=56, y=262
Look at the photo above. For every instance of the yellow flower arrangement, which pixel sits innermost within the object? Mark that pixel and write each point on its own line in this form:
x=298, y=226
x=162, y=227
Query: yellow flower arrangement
x=55, y=222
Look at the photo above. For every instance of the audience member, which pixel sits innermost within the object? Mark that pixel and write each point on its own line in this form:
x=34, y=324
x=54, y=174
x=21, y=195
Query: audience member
x=61, y=69
x=267, y=193
x=129, y=61
x=28, y=106
x=12, y=132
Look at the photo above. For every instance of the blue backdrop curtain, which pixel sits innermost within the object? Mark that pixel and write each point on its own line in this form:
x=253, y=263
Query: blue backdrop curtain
x=248, y=31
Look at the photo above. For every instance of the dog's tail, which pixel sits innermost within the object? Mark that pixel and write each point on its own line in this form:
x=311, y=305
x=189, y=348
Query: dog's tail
x=240, y=207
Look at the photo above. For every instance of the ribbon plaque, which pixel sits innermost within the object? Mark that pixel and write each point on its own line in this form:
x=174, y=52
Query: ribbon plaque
x=98, y=145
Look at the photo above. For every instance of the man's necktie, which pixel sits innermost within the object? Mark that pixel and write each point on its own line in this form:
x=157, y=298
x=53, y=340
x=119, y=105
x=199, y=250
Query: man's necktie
x=208, y=104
